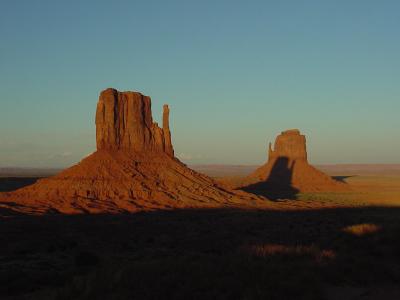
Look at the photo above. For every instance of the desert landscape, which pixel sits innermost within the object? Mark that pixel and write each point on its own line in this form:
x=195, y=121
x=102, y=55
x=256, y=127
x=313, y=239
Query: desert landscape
x=179, y=150
x=347, y=251
x=133, y=221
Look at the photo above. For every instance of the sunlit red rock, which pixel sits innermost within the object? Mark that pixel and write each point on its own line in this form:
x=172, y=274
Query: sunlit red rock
x=133, y=169
x=124, y=122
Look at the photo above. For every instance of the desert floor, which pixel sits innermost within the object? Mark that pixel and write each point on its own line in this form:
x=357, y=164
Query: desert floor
x=315, y=246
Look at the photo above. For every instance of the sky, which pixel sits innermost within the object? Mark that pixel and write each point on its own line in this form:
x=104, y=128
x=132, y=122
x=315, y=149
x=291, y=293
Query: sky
x=235, y=74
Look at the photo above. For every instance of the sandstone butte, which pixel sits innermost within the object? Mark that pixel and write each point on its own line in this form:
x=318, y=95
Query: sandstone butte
x=288, y=170
x=133, y=169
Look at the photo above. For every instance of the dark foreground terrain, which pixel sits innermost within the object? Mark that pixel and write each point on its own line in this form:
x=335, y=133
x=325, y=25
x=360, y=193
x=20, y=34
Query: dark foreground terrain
x=203, y=254
x=299, y=249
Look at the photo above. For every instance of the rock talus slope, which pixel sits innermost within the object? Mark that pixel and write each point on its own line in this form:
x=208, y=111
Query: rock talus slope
x=133, y=169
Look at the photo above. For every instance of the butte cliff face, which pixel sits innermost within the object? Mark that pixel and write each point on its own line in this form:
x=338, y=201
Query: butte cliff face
x=290, y=144
x=124, y=122
x=133, y=169
x=287, y=171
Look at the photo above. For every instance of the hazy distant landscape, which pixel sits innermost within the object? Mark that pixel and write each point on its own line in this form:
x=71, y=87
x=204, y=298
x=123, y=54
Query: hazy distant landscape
x=337, y=169
x=233, y=170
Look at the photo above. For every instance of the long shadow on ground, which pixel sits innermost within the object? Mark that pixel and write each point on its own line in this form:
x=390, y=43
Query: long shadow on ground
x=278, y=185
x=199, y=254
x=8, y=184
x=342, y=178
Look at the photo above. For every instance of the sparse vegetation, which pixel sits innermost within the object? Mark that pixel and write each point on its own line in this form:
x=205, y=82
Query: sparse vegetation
x=200, y=254
x=362, y=229
x=314, y=247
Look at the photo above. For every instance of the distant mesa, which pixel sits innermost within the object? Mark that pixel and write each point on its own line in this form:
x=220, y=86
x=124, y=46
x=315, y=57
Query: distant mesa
x=133, y=169
x=287, y=171
x=290, y=144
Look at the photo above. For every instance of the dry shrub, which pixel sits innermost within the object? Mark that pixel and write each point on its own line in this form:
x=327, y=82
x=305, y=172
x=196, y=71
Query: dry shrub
x=362, y=229
x=294, y=251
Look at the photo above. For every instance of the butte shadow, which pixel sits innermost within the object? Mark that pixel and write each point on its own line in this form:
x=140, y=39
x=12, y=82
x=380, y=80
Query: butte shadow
x=287, y=171
x=133, y=169
x=9, y=184
x=278, y=185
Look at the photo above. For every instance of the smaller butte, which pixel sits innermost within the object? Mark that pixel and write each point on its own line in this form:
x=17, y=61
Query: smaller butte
x=287, y=171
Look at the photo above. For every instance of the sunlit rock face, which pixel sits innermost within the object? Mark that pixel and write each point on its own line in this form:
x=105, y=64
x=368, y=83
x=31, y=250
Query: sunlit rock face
x=133, y=169
x=124, y=122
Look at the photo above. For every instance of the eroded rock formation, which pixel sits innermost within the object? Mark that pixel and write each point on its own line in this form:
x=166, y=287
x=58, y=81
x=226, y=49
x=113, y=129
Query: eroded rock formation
x=133, y=169
x=290, y=144
x=287, y=171
x=124, y=122
x=167, y=133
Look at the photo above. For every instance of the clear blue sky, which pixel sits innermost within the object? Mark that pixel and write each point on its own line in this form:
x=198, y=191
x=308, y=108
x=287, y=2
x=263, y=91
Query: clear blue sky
x=235, y=74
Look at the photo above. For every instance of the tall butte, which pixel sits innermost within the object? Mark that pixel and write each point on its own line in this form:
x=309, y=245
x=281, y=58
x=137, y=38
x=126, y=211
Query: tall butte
x=134, y=168
x=287, y=171
x=124, y=122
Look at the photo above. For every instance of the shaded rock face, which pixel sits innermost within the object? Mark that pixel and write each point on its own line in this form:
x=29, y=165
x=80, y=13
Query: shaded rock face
x=124, y=122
